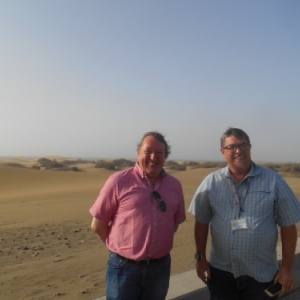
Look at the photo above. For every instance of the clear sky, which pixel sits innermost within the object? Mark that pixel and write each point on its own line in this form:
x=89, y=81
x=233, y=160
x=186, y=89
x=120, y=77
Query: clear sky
x=89, y=78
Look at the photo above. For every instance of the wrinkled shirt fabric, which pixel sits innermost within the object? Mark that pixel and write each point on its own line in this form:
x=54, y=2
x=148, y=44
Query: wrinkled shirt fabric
x=269, y=203
x=139, y=229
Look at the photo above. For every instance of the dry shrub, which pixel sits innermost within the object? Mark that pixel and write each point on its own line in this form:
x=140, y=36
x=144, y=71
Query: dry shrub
x=104, y=164
x=173, y=165
x=53, y=164
x=293, y=168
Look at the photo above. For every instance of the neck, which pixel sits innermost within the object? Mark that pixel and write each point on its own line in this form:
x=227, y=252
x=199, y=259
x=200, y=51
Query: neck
x=153, y=180
x=238, y=177
x=239, y=174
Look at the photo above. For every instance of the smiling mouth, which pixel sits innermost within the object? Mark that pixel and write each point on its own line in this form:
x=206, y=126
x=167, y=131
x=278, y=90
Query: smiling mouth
x=238, y=157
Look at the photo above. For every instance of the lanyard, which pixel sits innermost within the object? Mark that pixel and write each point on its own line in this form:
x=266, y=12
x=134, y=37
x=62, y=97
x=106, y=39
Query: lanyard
x=238, y=200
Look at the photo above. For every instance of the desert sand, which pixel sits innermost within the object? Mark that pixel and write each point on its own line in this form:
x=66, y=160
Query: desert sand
x=47, y=248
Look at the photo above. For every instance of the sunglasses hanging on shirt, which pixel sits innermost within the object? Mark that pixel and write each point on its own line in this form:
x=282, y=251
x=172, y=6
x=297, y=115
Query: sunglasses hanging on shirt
x=161, y=204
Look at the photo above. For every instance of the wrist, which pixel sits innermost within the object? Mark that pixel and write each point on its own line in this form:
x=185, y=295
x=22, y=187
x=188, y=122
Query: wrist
x=199, y=256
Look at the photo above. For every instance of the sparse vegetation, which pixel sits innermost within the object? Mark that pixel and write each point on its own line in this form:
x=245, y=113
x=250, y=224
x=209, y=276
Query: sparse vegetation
x=35, y=167
x=48, y=164
x=16, y=165
x=104, y=164
x=173, y=165
x=121, y=163
x=288, y=168
x=191, y=164
x=208, y=164
x=116, y=164
x=293, y=168
x=78, y=161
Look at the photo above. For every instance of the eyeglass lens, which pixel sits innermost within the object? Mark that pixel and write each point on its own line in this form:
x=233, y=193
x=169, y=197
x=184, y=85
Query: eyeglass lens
x=233, y=148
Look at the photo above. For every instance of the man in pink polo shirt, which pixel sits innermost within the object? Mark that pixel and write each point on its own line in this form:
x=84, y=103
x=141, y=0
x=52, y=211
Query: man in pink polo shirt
x=136, y=214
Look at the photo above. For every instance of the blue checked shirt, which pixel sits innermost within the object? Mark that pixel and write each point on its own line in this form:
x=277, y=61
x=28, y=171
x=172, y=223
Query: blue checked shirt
x=269, y=203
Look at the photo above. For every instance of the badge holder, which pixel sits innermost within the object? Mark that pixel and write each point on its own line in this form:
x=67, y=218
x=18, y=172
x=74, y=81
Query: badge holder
x=240, y=224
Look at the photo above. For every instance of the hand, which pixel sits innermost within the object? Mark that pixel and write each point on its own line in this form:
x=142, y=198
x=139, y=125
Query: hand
x=286, y=278
x=203, y=269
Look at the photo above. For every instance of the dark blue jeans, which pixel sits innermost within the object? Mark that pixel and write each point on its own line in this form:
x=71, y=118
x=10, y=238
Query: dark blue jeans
x=127, y=280
x=223, y=286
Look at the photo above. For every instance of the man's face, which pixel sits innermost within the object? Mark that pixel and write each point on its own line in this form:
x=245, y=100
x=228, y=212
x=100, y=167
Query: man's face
x=237, y=154
x=151, y=157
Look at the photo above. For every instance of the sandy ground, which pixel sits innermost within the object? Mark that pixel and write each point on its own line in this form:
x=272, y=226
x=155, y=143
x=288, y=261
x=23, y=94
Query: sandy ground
x=47, y=248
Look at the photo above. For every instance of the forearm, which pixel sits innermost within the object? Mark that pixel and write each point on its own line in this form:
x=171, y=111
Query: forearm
x=289, y=241
x=102, y=234
x=100, y=228
x=285, y=274
x=202, y=265
x=201, y=234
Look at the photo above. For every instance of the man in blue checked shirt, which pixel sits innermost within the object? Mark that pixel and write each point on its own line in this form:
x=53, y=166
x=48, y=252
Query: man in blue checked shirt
x=244, y=204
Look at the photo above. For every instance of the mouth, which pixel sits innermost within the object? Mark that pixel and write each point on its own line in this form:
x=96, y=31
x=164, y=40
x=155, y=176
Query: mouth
x=238, y=157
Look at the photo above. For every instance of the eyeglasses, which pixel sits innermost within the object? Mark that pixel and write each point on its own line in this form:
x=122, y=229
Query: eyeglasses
x=233, y=148
x=161, y=204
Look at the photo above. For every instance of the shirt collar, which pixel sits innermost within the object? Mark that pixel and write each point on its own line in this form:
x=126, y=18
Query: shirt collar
x=253, y=171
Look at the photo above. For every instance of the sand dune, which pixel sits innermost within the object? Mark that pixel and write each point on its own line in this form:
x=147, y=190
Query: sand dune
x=47, y=249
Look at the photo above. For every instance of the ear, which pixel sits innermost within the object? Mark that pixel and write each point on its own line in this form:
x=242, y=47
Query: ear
x=222, y=151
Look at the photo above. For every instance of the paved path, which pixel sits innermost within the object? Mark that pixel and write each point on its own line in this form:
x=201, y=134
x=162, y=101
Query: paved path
x=294, y=295
x=187, y=286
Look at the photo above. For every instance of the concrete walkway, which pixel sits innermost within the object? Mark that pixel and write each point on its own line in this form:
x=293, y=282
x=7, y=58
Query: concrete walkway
x=187, y=286
x=184, y=281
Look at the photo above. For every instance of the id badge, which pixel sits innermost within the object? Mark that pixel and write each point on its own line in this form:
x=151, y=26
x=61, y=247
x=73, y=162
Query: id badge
x=240, y=224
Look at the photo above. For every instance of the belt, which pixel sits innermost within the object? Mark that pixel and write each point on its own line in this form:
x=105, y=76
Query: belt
x=146, y=261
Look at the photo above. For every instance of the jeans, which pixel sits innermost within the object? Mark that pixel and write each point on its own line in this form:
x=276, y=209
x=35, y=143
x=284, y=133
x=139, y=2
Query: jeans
x=223, y=286
x=127, y=280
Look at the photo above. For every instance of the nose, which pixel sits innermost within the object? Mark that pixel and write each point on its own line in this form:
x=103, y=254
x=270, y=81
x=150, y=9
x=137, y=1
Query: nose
x=152, y=155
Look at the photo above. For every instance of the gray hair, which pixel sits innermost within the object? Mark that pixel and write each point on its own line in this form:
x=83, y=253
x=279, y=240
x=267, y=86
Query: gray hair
x=238, y=133
x=159, y=137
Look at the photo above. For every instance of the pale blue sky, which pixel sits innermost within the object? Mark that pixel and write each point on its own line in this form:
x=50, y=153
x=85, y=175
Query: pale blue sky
x=89, y=78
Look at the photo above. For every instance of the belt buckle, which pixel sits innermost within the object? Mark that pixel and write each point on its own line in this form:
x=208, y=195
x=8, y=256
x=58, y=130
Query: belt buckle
x=145, y=261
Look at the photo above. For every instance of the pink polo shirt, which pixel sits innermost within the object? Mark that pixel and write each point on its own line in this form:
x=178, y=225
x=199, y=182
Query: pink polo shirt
x=139, y=229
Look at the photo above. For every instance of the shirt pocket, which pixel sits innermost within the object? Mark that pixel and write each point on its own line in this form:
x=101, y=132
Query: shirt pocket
x=259, y=204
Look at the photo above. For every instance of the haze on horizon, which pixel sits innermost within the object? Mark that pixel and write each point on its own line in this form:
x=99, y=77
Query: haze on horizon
x=88, y=79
